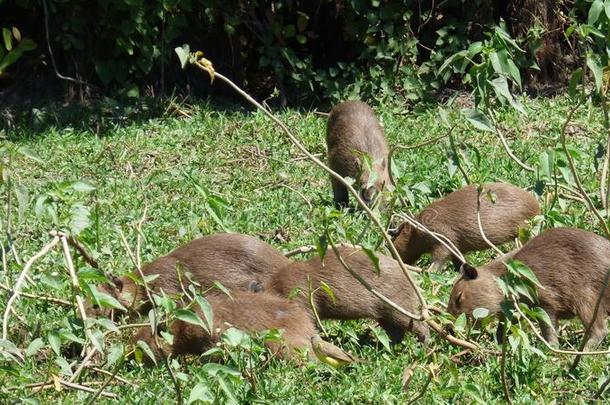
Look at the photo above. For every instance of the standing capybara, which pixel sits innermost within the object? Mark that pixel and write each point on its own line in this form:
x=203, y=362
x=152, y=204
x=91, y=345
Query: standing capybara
x=354, y=131
x=504, y=208
x=232, y=259
x=351, y=299
x=570, y=264
x=250, y=312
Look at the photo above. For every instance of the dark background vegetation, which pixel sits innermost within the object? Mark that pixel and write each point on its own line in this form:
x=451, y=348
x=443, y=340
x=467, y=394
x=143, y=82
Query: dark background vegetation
x=312, y=52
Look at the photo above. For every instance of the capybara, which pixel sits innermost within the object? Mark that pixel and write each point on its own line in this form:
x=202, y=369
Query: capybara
x=569, y=263
x=247, y=311
x=504, y=209
x=232, y=259
x=354, y=131
x=351, y=299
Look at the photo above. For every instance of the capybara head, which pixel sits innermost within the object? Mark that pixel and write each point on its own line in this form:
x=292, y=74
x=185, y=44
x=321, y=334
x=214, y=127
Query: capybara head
x=113, y=288
x=475, y=289
x=372, y=182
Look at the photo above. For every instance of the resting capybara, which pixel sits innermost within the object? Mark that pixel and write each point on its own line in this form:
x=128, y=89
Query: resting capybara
x=504, y=208
x=250, y=312
x=353, y=131
x=232, y=259
x=569, y=263
x=351, y=299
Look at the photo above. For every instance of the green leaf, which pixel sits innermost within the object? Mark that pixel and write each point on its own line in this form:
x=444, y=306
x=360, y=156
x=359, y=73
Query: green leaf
x=607, y=8
x=201, y=392
x=207, y=311
x=383, y=337
x=575, y=80
x=30, y=154
x=478, y=120
x=322, y=246
x=146, y=349
x=8, y=39
x=34, y=347
x=82, y=187
x=473, y=391
x=105, y=300
x=55, y=341
x=115, y=353
x=168, y=337
x=184, y=54
x=460, y=323
x=480, y=313
x=227, y=389
x=79, y=218
x=595, y=11
x=189, y=317
x=374, y=258
x=326, y=288
x=97, y=339
x=594, y=63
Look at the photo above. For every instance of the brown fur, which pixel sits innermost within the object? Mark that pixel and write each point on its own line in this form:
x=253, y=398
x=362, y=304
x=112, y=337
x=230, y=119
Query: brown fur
x=569, y=263
x=455, y=217
x=250, y=312
x=352, y=300
x=353, y=129
x=232, y=259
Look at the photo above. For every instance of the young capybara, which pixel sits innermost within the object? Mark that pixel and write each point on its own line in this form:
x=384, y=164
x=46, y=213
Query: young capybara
x=247, y=311
x=353, y=131
x=570, y=264
x=504, y=208
x=232, y=259
x=351, y=299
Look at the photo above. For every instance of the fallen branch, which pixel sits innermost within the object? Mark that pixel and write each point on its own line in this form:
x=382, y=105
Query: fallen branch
x=21, y=279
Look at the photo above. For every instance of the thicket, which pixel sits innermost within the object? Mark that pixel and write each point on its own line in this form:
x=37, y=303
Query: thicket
x=307, y=50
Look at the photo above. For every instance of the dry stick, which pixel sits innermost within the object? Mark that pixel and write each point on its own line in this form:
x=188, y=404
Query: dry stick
x=298, y=193
x=551, y=348
x=442, y=239
x=494, y=247
x=84, y=363
x=587, y=334
x=40, y=297
x=429, y=321
x=116, y=377
x=21, y=279
x=206, y=66
x=572, y=166
x=300, y=250
x=105, y=384
x=86, y=389
x=83, y=252
x=75, y=285
x=506, y=147
x=154, y=309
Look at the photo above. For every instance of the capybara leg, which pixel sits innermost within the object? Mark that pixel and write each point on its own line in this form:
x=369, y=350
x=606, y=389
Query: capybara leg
x=394, y=331
x=440, y=255
x=340, y=193
x=599, y=330
x=549, y=332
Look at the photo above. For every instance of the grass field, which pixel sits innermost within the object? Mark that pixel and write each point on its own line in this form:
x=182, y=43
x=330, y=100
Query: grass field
x=224, y=170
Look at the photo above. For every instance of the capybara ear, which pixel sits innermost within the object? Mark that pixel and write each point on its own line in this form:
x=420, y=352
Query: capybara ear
x=469, y=272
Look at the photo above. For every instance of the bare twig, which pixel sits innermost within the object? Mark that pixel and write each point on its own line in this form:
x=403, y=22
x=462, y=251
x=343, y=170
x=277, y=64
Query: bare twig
x=298, y=193
x=21, y=279
x=83, y=252
x=491, y=245
x=572, y=166
x=39, y=297
x=551, y=348
x=506, y=147
x=105, y=384
x=206, y=66
x=75, y=284
x=300, y=250
x=421, y=393
x=46, y=29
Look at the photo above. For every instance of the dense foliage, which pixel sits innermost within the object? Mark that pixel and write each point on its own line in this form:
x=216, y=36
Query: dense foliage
x=309, y=51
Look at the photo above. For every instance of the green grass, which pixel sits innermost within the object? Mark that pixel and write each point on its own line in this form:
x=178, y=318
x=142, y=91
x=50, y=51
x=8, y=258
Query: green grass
x=249, y=171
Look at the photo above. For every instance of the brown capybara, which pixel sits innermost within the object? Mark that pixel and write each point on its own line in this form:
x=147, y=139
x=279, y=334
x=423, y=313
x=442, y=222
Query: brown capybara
x=247, y=311
x=354, y=131
x=570, y=264
x=232, y=259
x=504, y=209
x=351, y=299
